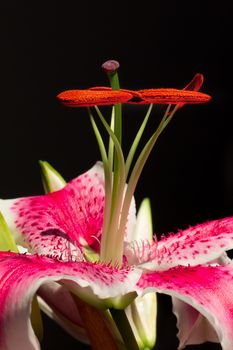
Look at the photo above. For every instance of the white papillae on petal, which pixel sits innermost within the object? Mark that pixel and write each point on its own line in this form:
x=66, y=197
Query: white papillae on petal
x=196, y=245
x=209, y=289
x=58, y=223
x=141, y=248
x=141, y=252
x=22, y=275
x=22, y=250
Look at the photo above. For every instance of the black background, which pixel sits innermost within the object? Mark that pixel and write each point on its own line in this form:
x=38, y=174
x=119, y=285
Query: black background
x=47, y=47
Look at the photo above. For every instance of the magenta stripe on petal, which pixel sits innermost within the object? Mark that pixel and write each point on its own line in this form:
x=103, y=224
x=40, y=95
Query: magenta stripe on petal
x=209, y=289
x=60, y=221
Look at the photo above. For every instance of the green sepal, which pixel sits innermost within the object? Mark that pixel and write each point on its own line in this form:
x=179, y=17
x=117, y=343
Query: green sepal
x=124, y=328
x=7, y=242
x=52, y=180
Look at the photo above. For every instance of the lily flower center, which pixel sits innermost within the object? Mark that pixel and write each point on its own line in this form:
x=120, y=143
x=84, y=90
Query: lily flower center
x=121, y=174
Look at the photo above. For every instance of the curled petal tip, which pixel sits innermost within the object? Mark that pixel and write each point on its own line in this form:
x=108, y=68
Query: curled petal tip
x=110, y=66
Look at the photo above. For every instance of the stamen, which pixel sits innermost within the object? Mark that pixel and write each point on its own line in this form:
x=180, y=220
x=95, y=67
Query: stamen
x=119, y=194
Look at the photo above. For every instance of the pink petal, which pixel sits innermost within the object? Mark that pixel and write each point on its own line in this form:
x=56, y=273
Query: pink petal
x=76, y=331
x=140, y=252
x=58, y=223
x=197, y=245
x=58, y=303
x=193, y=327
x=209, y=289
x=59, y=298
x=22, y=275
x=140, y=248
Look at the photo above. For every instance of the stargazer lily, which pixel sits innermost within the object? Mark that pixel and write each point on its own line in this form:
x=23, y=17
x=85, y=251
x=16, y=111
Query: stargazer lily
x=85, y=243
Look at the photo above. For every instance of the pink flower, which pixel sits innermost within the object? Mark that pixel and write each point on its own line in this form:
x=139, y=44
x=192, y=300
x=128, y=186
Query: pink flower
x=84, y=240
x=63, y=223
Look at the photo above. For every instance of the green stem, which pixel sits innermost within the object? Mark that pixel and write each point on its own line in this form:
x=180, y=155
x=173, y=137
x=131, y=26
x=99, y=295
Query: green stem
x=115, y=85
x=124, y=328
x=98, y=329
x=114, y=80
x=136, y=141
x=117, y=122
x=111, y=144
x=108, y=251
x=108, y=180
x=136, y=172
